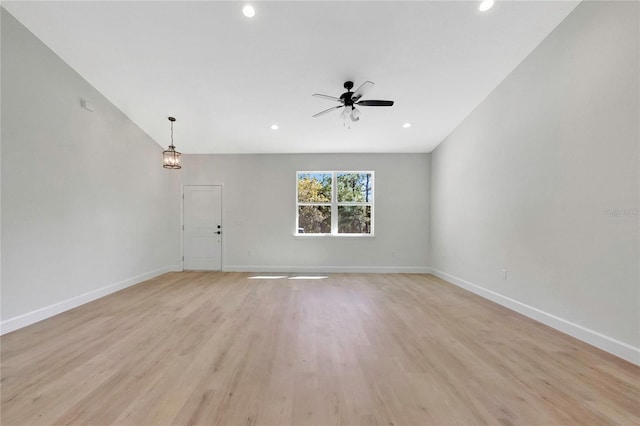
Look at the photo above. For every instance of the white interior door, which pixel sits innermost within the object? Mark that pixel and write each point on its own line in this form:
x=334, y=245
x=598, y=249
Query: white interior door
x=202, y=211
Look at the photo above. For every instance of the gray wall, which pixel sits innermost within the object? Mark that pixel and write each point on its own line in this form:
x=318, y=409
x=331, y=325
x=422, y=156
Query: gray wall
x=86, y=206
x=259, y=212
x=527, y=181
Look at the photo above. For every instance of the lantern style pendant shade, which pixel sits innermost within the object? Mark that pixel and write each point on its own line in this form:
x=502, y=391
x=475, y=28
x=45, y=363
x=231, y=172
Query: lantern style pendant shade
x=171, y=157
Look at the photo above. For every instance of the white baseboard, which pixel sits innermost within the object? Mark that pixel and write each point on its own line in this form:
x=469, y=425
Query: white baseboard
x=29, y=318
x=175, y=268
x=591, y=337
x=329, y=269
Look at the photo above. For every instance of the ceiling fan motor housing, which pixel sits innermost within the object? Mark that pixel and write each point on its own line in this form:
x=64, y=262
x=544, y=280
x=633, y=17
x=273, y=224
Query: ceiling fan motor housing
x=346, y=96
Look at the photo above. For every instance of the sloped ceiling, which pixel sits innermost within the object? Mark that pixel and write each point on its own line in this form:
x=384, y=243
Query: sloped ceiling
x=227, y=78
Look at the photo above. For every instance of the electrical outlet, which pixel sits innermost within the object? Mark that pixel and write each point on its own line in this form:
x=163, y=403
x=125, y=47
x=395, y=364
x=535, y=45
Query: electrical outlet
x=503, y=274
x=393, y=254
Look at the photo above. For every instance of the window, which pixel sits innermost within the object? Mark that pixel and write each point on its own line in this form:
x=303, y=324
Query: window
x=334, y=203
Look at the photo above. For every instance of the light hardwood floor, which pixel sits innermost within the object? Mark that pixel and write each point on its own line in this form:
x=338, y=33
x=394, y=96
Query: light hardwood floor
x=353, y=349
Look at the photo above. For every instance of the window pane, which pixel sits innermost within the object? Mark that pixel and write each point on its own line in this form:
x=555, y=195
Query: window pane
x=314, y=219
x=314, y=187
x=354, y=187
x=354, y=219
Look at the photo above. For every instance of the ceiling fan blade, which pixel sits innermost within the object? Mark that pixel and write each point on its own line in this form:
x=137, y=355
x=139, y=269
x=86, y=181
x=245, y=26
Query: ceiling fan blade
x=327, y=110
x=360, y=91
x=375, y=103
x=331, y=98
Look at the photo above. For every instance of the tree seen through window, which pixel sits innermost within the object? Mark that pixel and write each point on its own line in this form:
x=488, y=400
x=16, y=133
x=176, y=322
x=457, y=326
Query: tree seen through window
x=334, y=202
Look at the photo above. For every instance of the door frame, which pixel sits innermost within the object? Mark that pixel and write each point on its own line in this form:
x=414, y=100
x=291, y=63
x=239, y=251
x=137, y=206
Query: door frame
x=221, y=222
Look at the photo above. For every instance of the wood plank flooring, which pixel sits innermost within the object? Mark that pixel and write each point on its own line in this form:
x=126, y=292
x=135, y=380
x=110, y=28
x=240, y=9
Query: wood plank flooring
x=353, y=349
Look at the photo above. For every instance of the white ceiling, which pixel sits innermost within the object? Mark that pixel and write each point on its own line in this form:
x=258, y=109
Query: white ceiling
x=228, y=78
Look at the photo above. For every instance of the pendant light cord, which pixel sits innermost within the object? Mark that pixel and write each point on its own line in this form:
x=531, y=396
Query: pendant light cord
x=172, y=135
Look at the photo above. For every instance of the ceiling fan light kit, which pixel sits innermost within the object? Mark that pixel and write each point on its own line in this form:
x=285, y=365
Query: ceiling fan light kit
x=349, y=100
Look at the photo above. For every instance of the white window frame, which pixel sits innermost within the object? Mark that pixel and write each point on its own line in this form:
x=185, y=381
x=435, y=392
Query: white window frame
x=334, y=204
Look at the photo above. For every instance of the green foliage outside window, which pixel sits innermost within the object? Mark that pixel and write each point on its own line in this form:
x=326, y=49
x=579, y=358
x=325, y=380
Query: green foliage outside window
x=352, y=204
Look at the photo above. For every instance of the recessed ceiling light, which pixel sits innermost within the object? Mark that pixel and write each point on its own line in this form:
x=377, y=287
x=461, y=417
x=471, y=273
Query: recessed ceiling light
x=274, y=127
x=485, y=5
x=406, y=125
x=248, y=11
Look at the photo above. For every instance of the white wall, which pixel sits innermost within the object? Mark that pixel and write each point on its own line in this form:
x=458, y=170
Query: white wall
x=259, y=212
x=525, y=183
x=86, y=206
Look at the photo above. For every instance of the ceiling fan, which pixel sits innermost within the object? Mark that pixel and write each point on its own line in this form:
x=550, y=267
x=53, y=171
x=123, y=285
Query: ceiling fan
x=350, y=99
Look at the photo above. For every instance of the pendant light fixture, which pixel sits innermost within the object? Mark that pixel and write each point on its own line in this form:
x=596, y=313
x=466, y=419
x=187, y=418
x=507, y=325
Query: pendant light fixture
x=171, y=157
